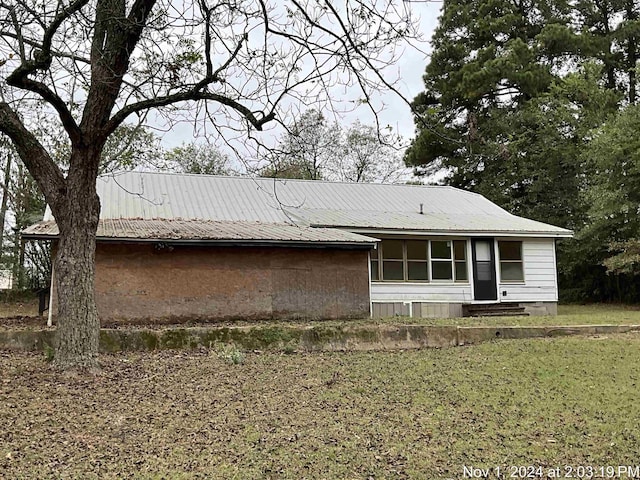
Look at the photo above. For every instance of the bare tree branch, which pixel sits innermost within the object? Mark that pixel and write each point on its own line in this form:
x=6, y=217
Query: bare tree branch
x=114, y=40
x=42, y=61
x=38, y=45
x=191, y=95
x=34, y=155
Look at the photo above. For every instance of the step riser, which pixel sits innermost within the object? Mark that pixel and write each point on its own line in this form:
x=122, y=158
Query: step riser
x=488, y=306
x=494, y=310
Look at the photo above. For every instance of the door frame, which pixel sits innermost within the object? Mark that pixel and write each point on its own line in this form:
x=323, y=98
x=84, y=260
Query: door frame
x=478, y=293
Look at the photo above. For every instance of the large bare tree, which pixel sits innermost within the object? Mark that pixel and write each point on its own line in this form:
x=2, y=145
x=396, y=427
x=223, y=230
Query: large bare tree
x=232, y=63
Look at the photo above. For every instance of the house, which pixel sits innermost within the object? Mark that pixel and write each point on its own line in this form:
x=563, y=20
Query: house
x=177, y=246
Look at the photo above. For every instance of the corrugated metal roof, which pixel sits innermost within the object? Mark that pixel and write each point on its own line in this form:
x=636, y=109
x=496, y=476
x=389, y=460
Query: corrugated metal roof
x=164, y=229
x=431, y=222
x=150, y=195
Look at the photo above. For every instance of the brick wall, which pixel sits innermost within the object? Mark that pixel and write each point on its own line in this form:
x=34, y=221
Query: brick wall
x=135, y=281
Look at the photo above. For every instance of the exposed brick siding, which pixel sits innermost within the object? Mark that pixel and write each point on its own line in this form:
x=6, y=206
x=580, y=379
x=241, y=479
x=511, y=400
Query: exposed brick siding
x=134, y=281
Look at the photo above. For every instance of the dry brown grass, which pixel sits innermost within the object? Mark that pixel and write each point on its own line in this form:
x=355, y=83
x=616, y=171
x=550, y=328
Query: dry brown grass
x=24, y=308
x=417, y=414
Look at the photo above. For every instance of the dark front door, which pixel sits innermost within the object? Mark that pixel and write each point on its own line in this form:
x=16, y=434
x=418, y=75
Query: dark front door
x=484, y=269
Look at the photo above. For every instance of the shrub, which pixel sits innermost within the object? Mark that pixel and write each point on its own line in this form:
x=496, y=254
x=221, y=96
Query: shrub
x=230, y=354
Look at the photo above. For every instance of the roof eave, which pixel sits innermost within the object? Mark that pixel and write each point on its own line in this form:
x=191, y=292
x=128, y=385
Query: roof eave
x=38, y=236
x=357, y=245
x=364, y=245
x=453, y=232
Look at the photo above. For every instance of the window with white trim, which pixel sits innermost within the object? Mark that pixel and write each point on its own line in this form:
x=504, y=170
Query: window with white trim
x=420, y=261
x=441, y=264
x=511, y=264
x=460, y=260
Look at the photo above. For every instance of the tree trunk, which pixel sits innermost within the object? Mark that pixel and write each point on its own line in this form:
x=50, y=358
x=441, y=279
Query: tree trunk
x=609, y=67
x=17, y=267
x=23, y=277
x=78, y=329
x=5, y=198
x=632, y=59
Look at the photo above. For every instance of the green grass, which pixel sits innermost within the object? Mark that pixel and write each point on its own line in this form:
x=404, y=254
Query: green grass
x=595, y=314
x=414, y=414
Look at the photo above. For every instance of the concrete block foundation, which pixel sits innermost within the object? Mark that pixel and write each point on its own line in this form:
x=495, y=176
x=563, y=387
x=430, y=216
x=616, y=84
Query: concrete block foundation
x=448, y=310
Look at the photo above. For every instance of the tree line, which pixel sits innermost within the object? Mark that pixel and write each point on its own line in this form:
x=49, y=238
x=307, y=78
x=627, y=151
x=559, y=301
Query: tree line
x=533, y=103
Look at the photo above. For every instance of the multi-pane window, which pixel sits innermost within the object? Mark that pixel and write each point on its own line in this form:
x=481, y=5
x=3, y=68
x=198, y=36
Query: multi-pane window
x=420, y=261
x=460, y=260
x=393, y=260
x=417, y=260
x=511, y=265
x=441, y=266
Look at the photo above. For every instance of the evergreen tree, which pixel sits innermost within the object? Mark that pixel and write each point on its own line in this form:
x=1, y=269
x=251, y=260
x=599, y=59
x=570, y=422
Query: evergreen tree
x=611, y=236
x=492, y=58
x=514, y=92
x=488, y=63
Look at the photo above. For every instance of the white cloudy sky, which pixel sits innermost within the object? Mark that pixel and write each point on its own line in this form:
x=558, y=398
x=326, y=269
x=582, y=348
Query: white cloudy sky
x=409, y=70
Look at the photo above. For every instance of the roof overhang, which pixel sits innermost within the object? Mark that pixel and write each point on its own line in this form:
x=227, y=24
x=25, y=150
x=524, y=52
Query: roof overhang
x=461, y=233
x=210, y=233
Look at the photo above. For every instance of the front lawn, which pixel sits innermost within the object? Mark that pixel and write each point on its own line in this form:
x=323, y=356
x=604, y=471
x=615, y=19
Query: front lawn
x=411, y=414
x=594, y=314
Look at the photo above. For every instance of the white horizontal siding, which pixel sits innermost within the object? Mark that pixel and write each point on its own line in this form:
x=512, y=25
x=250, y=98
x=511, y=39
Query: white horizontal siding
x=421, y=292
x=540, y=284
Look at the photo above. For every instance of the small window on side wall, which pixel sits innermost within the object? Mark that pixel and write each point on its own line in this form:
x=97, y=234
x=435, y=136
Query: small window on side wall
x=511, y=264
x=375, y=266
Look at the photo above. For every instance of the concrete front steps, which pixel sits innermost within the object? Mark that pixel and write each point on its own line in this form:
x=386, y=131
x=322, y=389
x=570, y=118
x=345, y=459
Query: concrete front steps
x=297, y=338
x=493, y=310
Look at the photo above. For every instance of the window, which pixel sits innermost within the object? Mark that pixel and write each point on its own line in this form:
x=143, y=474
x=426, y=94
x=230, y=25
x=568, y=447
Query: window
x=441, y=268
x=460, y=257
x=393, y=260
x=375, y=266
x=511, y=266
x=420, y=261
x=417, y=260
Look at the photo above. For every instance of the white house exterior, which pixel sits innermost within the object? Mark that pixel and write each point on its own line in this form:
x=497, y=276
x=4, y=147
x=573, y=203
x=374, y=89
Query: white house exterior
x=529, y=279
x=436, y=251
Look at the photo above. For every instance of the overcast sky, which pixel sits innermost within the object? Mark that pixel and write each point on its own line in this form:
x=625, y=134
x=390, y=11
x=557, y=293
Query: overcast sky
x=409, y=69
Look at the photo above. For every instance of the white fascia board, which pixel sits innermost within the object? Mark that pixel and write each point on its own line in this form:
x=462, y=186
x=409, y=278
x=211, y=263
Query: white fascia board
x=457, y=233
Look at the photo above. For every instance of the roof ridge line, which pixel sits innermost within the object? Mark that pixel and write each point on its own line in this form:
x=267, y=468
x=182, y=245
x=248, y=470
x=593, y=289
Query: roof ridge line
x=281, y=180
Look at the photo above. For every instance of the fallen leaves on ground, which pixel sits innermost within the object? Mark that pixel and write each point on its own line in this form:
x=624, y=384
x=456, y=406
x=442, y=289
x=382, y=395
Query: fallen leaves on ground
x=413, y=414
